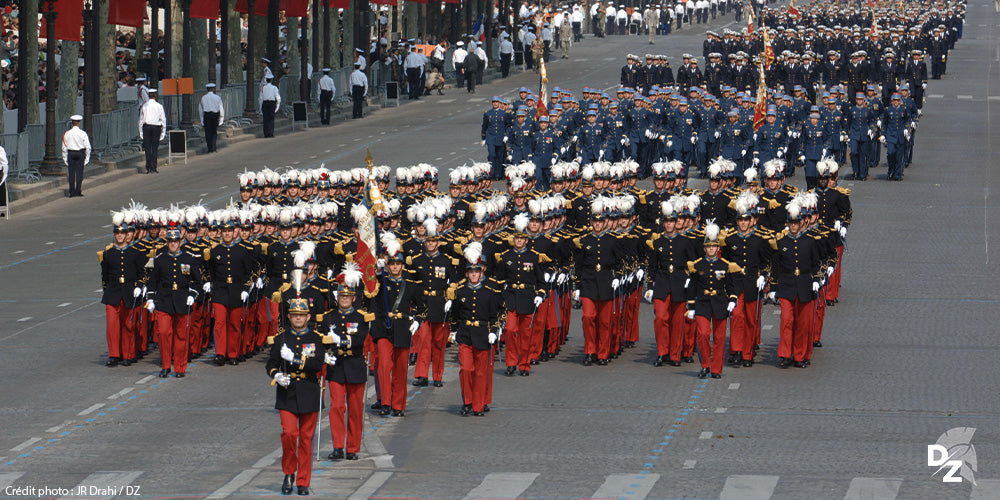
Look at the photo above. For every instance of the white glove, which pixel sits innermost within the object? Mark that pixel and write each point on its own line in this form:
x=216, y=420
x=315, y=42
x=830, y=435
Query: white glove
x=802, y=157
x=505, y=138
x=756, y=161
x=781, y=153
x=871, y=133
x=761, y=282
x=549, y=277
x=881, y=139
x=843, y=232
x=553, y=162
x=815, y=286
x=649, y=134
x=561, y=278
x=923, y=86
x=260, y=283
x=920, y=112
x=718, y=134
x=773, y=296
x=538, y=300
x=614, y=284
x=493, y=338
x=755, y=137
x=824, y=152
x=669, y=143
x=282, y=379
x=730, y=307
x=329, y=274
x=743, y=152
x=689, y=314
x=447, y=306
x=334, y=337
x=414, y=326
x=836, y=225
x=207, y=287
x=576, y=294
x=482, y=142
x=639, y=273
x=562, y=150
x=244, y=296
x=687, y=282
x=648, y=296
x=144, y=289
x=878, y=123
x=576, y=138
x=451, y=337
x=829, y=270
x=843, y=137
x=330, y=359
x=694, y=139
x=601, y=154
x=624, y=141
x=137, y=292
x=150, y=306
x=286, y=353
x=906, y=134
x=190, y=301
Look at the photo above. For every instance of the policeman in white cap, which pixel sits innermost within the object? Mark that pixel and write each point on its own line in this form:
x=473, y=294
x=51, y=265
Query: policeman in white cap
x=212, y=115
x=152, y=129
x=270, y=102
x=265, y=75
x=76, y=154
x=326, y=90
x=142, y=90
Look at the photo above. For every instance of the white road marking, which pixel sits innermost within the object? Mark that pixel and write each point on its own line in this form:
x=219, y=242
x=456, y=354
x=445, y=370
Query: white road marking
x=8, y=478
x=22, y=320
x=268, y=459
x=705, y=435
x=50, y=243
x=78, y=234
x=748, y=488
x=100, y=485
x=121, y=393
x=64, y=304
x=106, y=226
x=935, y=96
x=203, y=194
x=501, y=485
x=446, y=101
x=984, y=489
x=92, y=409
x=477, y=99
x=874, y=488
x=721, y=409
x=994, y=98
x=26, y=444
x=964, y=97
x=17, y=252
x=689, y=464
x=370, y=486
x=145, y=379
x=734, y=386
x=59, y=427
x=626, y=486
x=241, y=480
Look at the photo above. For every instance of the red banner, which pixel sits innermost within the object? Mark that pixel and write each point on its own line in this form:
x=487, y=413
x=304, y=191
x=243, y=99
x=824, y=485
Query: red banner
x=260, y=7
x=204, y=9
x=126, y=12
x=68, y=21
x=338, y=4
x=296, y=8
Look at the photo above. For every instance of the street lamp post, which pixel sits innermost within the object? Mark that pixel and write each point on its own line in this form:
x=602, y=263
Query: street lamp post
x=186, y=60
x=251, y=105
x=50, y=165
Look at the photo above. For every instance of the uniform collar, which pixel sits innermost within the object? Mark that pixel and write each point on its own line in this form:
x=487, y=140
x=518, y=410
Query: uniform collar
x=345, y=312
x=298, y=333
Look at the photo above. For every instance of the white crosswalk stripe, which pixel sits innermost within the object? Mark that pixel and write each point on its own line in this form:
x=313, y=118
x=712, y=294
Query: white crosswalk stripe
x=100, y=485
x=748, y=488
x=626, y=486
x=873, y=488
x=502, y=485
x=8, y=478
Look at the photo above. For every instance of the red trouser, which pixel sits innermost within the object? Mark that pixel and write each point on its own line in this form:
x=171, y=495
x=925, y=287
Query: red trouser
x=834, y=288
x=435, y=337
x=796, y=328
x=669, y=327
x=272, y=327
x=263, y=323
x=711, y=354
x=745, y=327
x=350, y=399
x=297, y=445
x=142, y=333
x=538, y=326
x=227, y=330
x=121, y=323
x=247, y=332
x=818, y=316
x=515, y=335
x=567, y=308
x=633, y=324
x=417, y=340
x=597, y=326
x=474, y=373
x=554, y=318
x=172, y=330
x=689, y=335
x=391, y=372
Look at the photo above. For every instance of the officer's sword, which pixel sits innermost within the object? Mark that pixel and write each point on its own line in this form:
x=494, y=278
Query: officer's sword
x=319, y=417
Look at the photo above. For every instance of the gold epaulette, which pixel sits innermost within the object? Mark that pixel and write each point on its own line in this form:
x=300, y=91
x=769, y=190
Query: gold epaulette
x=733, y=267
x=576, y=241
x=691, y=264
x=454, y=262
x=843, y=190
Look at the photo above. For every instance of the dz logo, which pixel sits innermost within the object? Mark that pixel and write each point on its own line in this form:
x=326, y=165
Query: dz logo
x=954, y=454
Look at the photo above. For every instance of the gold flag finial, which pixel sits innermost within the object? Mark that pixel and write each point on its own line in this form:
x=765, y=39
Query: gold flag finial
x=368, y=158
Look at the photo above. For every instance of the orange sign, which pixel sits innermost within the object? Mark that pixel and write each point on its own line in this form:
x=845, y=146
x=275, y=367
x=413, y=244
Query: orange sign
x=177, y=86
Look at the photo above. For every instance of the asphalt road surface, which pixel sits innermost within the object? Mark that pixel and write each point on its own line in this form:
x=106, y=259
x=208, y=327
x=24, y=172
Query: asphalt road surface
x=910, y=351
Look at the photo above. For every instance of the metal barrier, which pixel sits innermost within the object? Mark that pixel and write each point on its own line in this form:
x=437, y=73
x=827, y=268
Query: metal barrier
x=16, y=146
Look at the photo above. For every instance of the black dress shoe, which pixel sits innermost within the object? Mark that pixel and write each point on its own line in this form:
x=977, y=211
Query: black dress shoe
x=398, y=413
x=336, y=454
x=688, y=359
x=384, y=411
x=377, y=405
x=438, y=383
x=413, y=359
x=219, y=360
x=747, y=363
x=351, y=456
x=586, y=360
x=286, y=486
x=478, y=414
x=801, y=364
x=510, y=371
x=303, y=490
x=534, y=362
x=716, y=375
x=674, y=363
x=486, y=408
x=233, y=361
x=659, y=361
x=420, y=382
x=783, y=363
x=830, y=303
x=128, y=362
x=465, y=411
x=602, y=362
x=703, y=373
x=164, y=372
x=113, y=362
x=817, y=344
x=524, y=373
x=179, y=375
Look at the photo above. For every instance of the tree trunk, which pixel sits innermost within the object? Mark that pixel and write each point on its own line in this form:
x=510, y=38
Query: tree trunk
x=235, y=62
x=69, y=72
x=199, y=52
x=177, y=39
x=29, y=34
x=108, y=99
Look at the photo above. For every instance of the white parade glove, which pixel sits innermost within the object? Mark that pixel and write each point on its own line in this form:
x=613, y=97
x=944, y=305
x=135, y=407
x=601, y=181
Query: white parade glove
x=689, y=314
x=743, y=152
x=493, y=338
x=260, y=283
x=578, y=159
x=773, y=296
x=286, y=353
x=815, y=286
x=802, y=157
x=329, y=274
x=624, y=141
x=881, y=139
x=334, y=337
x=920, y=112
x=144, y=289
x=781, y=153
x=576, y=294
x=878, y=123
x=755, y=137
x=648, y=296
x=553, y=162
x=639, y=273
x=843, y=232
x=694, y=139
x=282, y=379
x=669, y=143
x=649, y=134
x=824, y=152
x=614, y=284
x=137, y=292
x=906, y=134
x=843, y=137
x=687, y=282
x=760, y=283
x=505, y=138
x=207, y=287
x=562, y=150
x=482, y=142
x=730, y=307
x=330, y=359
x=538, y=300
x=829, y=270
x=447, y=306
x=451, y=337
x=335, y=295
x=601, y=154
x=414, y=326
x=244, y=296
x=871, y=133
x=756, y=161
x=836, y=225
x=380, y=263
x=190, y=301
x=718, y=134
x=561, y=278
x=576, y=138
x=150, y=306
x=923, y=86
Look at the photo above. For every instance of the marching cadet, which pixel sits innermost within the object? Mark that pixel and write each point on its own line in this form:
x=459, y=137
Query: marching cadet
x=545, y=152
x=815, y=145
x=521, y=272
x=835, y=124
x=297, y=357
x=592, y=141
x=776, y=195
x=279, y=265
x=476, y=319
x=597, y=258
x=303, y=282
x=770, y=140
x=194, y=244
x=749, y=247
x=668, y=256
x=715, y=200
x=173, y=285
x=794, y=283
x=896, y=133
x=915, y=73
x=518, y=138
x=496, y=121
x=435, y=271
x=860, y=123
x=827, y=240
x=122, y=276
x=348, y=328
x=230, y=266
x=711, y=297
x=397, y=317
x=833, y=204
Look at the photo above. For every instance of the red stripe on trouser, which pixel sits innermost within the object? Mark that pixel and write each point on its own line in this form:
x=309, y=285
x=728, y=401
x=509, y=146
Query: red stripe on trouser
x=689, y=336
x=588, y=309
x=391, y=373
x=272, y=328
x=171, y=329
x=474, y=373
x=120, y=332
x=554, y=317
x=711, y=354
x=634, y=323
x=263, y=324
x=349, y=399
x=370, y=354
x=489, y=378
x=744, y=330
x=194, y=329
x=796, y=327
x=432, y=350
x=142, y=333
x=296, y=444
x=834, y=288
x=227, y=330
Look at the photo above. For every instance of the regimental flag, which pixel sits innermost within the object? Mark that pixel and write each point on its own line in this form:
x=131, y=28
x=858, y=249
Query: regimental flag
x=768, y=51
x=750, y=19
x=543, y=90
x=367, y=240
x=792, y=10
x=760, y=109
